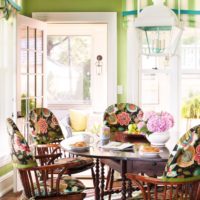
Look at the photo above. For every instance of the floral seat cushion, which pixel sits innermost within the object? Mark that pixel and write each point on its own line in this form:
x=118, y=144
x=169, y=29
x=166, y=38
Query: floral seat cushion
x=46, y=128
x=68, y=185
x=75, y=162
x=184, y=161
x=21, y=154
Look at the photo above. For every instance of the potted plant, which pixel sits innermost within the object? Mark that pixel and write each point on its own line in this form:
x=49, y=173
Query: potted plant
x=156, y=125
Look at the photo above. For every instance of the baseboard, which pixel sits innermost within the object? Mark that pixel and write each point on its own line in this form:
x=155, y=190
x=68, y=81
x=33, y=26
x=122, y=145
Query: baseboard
x=6, y=183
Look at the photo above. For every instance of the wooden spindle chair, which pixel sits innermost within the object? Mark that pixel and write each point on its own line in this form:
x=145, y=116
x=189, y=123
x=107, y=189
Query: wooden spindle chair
x=118, y=117
x=39, y=182
x=181, y=178
x=47, y=135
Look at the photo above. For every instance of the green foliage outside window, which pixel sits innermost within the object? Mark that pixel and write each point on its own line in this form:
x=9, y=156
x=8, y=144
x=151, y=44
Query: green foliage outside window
x=24, y=104
x=191, y=108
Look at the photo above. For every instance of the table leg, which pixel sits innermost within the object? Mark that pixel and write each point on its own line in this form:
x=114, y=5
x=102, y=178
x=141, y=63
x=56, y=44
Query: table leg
x=129, y=188
x=123, y=174
x=102, y=181
x=97, y=190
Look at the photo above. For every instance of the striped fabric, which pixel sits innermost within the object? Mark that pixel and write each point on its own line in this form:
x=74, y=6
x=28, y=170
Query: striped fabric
x=189, y=9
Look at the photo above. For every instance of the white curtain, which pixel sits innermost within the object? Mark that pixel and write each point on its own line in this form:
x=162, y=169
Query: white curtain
x=190, y=9
x=7, y=82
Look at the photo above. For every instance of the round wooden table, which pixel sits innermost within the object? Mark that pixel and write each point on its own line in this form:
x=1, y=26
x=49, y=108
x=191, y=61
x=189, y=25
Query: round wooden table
x=121, y=156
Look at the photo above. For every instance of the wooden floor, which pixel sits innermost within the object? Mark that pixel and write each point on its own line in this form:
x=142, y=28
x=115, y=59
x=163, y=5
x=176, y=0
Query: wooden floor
x=11, y=196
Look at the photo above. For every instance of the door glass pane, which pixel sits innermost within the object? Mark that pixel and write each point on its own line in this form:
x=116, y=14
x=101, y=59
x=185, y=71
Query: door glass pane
x=23, y=38
x=31, y=39
x=31, y=62
x=23, y=85
x=39, y=102
x=39, y=63
x=23, y=61
x=39, y=42
x=68, y=69
x=39, y=85
x=31, y=85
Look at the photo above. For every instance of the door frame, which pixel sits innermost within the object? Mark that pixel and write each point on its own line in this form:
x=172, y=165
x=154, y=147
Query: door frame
x=109, y=18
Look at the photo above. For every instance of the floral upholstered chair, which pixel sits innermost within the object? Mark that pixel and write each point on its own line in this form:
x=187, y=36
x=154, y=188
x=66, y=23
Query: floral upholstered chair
x=181, y=178
x=36, y=183
x=47, y=134
x=118, y=117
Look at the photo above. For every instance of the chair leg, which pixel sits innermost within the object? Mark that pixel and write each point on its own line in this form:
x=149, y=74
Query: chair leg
x=108, y=178
x=111, y=182
x=93, y=176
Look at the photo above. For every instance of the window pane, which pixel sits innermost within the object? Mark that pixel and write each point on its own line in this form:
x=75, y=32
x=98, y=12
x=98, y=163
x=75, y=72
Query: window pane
x=155, y=92
x=68, y=69
x=149, y=62
x=190, y=49
x=190, y=101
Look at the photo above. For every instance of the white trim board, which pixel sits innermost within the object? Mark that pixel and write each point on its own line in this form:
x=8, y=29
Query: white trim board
x=6, y=183
x=110, y=18
x=5, y=159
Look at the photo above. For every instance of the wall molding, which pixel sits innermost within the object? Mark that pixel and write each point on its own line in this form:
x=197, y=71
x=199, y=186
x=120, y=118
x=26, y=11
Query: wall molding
x=6, y=183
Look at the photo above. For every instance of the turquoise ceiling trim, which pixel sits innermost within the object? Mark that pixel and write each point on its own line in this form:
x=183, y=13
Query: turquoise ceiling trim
x=14, y=5
x=183, y=12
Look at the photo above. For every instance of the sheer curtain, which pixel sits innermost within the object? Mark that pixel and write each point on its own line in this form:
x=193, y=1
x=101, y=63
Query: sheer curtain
x=7, y=82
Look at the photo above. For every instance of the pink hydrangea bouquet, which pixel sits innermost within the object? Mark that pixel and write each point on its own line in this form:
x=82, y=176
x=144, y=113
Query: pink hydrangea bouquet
x=156, y=122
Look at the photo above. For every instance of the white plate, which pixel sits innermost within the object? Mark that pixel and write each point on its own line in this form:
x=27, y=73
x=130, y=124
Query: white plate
x=149, y=154
x=80, y=149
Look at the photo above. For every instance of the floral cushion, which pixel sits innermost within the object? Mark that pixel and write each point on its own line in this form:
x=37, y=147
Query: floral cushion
x=46, y=128
x=21, y=154
x=184, y=162
x=68, y=185
x=119, y=116
x=75, y=162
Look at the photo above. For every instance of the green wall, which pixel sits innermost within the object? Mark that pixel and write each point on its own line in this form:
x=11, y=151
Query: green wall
x=30, y=6
x=5, y=169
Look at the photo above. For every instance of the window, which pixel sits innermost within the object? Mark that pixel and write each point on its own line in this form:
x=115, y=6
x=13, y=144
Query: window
x=174, y=86
x=69, y=69
x=190, y=78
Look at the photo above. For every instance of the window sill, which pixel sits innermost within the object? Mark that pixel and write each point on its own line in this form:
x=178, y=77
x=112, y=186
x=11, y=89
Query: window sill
x=4, y=159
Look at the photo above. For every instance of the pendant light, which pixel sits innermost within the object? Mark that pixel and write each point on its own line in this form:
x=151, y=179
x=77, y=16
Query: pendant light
x=7, y=7
x=161, y=27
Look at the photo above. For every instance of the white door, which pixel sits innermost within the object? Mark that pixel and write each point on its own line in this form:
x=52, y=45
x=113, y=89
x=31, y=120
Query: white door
x=77, y=66
x=31, y=51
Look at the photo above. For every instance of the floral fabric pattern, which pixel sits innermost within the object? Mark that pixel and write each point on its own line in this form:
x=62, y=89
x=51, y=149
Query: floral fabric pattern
x=75, y=162
x=184, y=162
x=21, y=154
x=68, y=185
x=119, y=116
x=46, y=128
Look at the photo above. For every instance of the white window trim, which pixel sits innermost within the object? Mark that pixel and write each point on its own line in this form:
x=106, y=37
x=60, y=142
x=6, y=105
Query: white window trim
x=110, y=18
